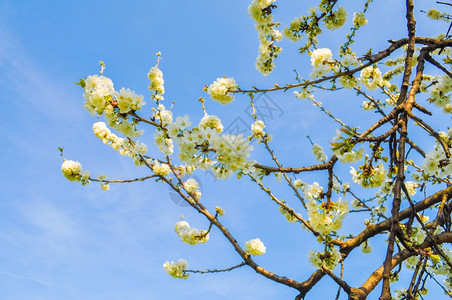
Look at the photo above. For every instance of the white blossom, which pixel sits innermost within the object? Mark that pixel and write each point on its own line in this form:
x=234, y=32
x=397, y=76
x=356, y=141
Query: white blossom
x=320, y=56
x=127, y=100
x=359, y=19
x=190, y=235
x=313, y=190
x=330, y=258
x=221, y=88
x=211, y=121
x=259, y=11
x=177, y=269
x=255, y=247
x=371, y=78
x=298, y=183
x=72, y=170
x=156, y=81
x=161, y=169
x=257, y=129
x=191, y=185
x=97, y=89
x=317, y=150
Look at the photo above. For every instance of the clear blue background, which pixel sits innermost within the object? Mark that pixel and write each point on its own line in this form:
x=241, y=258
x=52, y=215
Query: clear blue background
x=59, y=240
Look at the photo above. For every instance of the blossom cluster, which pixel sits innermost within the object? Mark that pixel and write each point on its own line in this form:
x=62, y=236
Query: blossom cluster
x=72, y=170
x=435, y=265
x=349, y=60
x=440, y=266
x=365, y=247
x=371, y=78
x=123, y=146
x=161, y=169
x=317, y=150
x=335, y=19
x=369, y=176
x=211, y=122
x=192, y=187
x=260, y=12
x=177, y=269
x=310, y=24
x=163, y=116
x=164, y=143
x=327, y=217
x=257, y=129
x=255, y=247
x=328, y=258
x=127, y=100
x=324, y=217
x=321, y=61
x=221, y=88
x=348, y=81
x=298, y=183
x=205, y=146
x=368, y=105
x=101, y=99
x=312, y=191
x=292, y=31
x=156, y=81
x=411, y=187
x=190, y=235
x=97, y=94
x=101, y=131
x=359, y=19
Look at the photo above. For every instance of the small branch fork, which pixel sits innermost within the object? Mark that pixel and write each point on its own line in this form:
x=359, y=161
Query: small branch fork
x=438, y=65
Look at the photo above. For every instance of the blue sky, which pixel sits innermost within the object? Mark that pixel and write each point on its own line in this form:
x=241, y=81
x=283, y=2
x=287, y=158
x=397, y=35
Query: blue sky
x=60, y=240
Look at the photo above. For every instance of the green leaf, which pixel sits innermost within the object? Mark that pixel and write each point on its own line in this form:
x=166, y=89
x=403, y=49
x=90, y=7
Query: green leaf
x=337, y=146
x=81, y=83
x=348, y=131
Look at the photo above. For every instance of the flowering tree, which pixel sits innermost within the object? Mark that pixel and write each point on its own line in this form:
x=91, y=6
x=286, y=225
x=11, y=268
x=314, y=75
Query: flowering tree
x=401, y=188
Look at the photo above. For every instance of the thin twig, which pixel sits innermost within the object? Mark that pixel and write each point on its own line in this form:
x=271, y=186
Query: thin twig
x=216, y=270
x=339, y=281
x=438, y=65
x=124, y=180
x=371, y=60
x=430, y=130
